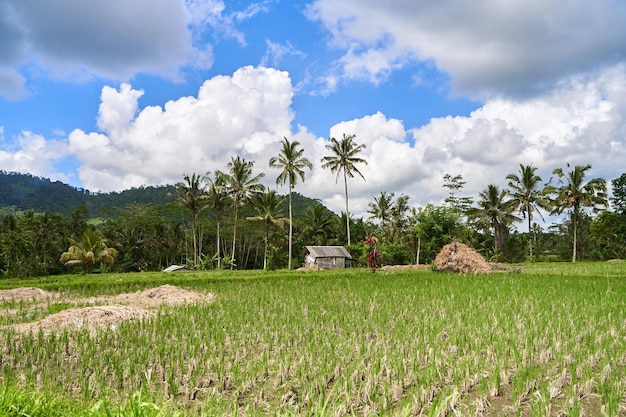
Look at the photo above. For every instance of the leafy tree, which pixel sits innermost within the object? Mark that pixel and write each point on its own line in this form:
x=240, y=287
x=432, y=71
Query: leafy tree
x=455, y=184
x=494, y=212
x=91, y=250
x=344, y=160
x=292, y=164
x=190, y=196
x=436, y=226
x=240, y=183
x=381, y=209
x=619, y=194
x=528, y=196
x=575, y=193
x=267, y=207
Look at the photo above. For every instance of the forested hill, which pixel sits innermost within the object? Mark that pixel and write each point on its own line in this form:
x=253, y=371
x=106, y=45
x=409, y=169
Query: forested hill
x=28, y=192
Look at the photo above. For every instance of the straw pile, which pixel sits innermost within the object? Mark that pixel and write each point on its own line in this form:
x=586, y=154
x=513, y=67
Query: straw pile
x=86, y=317
x=24, y=294
x=457, y=257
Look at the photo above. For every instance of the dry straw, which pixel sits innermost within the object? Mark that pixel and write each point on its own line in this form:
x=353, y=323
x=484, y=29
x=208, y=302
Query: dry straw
x=457, y=257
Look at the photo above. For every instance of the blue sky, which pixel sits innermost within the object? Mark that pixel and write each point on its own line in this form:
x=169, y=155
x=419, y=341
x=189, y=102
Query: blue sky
x=109, y=95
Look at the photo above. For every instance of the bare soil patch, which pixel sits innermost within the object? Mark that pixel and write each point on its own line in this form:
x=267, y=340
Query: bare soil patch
x=103, y=311
x=403, y=267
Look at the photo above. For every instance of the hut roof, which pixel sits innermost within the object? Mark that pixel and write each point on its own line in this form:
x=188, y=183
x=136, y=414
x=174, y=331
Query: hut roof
x=328, y=252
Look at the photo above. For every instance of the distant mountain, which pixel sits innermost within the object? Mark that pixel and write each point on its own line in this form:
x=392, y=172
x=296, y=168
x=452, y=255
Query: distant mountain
x=28, y=192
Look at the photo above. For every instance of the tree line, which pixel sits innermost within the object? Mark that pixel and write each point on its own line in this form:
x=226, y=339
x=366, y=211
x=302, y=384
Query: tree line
x=228, y=219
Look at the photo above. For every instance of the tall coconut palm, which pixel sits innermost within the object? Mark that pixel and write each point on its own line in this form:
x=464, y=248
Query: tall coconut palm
x=217, y=197
x=494, y=212
x=190, y=197
x=292, y=164
x=240, y=183
x=343, y=160
x=268, y=211
x=574, y=194
x=91, y=250
x=381, y=209
x=529, y=196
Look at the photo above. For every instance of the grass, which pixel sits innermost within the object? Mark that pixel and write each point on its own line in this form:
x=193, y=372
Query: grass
x=543, y=342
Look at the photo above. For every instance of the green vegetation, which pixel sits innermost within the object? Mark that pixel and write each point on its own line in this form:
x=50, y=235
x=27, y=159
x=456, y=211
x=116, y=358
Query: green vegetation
x=547, y=341
x=206, y=222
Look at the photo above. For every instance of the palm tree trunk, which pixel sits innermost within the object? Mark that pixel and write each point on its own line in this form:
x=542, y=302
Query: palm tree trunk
x=419, y=248
x=530, y=236
x=232, y=256
x=217, y=247
x=290, y=226
x=345, y=183
x=575, y=224
x=267, y=232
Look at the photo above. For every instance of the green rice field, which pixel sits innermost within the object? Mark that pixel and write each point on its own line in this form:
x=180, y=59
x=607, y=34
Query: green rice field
x=549, y=341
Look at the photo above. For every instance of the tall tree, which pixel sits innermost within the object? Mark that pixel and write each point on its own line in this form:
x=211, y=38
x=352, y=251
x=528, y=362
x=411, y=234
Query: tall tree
x=292, y=164
x=494, y=212
x=268, y=211
x=455, y=184
x=381, y=209
x=344, y=160
x=190, y=196
x=216, y=201
x=241, y=183
x=574, y=194
x=528, y=196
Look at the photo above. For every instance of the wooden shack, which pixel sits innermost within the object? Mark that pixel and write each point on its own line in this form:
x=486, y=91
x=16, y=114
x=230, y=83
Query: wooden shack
x=326, y=257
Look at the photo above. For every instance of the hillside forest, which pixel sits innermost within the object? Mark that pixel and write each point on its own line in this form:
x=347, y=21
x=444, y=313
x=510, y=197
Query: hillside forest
x=229, y=220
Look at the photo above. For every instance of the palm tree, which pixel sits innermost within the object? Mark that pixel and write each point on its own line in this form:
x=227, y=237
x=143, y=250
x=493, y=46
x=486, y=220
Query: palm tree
x=398, y=216
x=381, y=209
x=494, y=212
x=574, y=194
x=190, y=196
x=240, y=184
x=216, y=200
x=318, y=223
x=292, y=163
x=268, y=211
x=528, y=197
x=91, y=250
x=343, y=160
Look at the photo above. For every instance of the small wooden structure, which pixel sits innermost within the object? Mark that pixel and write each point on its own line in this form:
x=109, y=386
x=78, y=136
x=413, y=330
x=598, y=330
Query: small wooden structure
x=326, y=257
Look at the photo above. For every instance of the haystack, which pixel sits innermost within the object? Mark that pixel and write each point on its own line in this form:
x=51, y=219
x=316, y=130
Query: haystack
x=457, y=257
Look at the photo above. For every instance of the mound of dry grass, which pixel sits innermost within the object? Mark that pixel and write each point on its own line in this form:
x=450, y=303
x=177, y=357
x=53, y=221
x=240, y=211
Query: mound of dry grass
x=457, y=257
x=86, y=317
x=115, y=309
x=25, y=294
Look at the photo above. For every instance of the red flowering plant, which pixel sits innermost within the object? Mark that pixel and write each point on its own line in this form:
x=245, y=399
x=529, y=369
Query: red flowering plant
x=373, y=256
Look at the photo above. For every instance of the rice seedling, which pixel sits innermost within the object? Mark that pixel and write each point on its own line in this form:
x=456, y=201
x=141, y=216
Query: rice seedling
x=546, y=340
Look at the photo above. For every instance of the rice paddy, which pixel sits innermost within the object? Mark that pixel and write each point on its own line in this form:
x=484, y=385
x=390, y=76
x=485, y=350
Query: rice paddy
x=547, y=341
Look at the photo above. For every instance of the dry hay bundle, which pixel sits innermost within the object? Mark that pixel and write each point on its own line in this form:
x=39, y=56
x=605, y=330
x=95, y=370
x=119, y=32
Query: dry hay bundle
x=457, y=257
x=24, y=294
x=165, y=294
x=89, y=317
